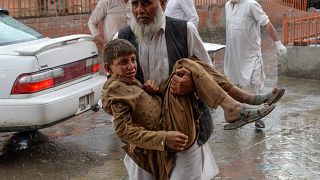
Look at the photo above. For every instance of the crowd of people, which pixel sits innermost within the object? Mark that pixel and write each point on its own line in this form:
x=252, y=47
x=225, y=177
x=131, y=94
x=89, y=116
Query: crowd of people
x=155, y=58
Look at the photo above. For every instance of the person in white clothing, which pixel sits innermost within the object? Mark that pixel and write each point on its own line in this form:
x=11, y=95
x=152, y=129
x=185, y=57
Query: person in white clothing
x=243, y=63
x=182, y=9
x=114, y=13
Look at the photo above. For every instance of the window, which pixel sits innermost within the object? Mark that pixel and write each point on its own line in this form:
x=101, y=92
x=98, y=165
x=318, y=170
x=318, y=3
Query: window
x=12, y=31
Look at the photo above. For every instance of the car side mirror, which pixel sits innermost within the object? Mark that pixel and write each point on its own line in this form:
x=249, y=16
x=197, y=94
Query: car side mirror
x=2, y=11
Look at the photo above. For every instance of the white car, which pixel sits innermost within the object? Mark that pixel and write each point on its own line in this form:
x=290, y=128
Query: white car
x=44, y=81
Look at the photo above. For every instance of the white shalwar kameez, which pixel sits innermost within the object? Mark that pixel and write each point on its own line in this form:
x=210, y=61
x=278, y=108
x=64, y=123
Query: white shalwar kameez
x=182, y=9
x=197, y=162
x=115, y=15
x=243, y=63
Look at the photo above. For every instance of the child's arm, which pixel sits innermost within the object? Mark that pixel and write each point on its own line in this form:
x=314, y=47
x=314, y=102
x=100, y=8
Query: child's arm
x=106, y=107
x=129, y=132
x=139, y=136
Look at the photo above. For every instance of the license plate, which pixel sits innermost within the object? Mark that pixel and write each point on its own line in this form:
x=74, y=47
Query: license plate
x=84, y=104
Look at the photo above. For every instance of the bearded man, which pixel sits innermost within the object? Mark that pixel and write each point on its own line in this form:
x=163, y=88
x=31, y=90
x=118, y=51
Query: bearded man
x=160, y=42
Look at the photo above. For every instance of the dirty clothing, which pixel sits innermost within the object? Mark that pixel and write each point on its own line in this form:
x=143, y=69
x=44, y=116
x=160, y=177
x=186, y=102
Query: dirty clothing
x=156, y=57
x=137, y=121
x=141, y=126
x=115, y=15
x=182, y=9
x=243, y=58
x=179, y=36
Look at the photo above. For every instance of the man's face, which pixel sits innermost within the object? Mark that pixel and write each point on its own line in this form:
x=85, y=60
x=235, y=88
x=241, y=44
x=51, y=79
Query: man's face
x=144, y=10
x=124, y=66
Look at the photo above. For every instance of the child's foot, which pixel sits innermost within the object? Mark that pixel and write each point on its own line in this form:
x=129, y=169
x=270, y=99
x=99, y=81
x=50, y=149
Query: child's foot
x=270, y=98
x=249, y=114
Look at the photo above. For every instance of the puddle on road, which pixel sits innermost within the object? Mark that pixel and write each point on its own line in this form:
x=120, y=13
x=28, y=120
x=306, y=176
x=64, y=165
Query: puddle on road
x=12, y=142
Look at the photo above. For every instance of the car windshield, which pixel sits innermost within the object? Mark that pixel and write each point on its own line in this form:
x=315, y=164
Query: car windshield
x=12, y=31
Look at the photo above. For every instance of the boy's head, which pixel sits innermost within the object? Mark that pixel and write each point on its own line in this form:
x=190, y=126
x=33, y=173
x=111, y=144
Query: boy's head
x=119, y=58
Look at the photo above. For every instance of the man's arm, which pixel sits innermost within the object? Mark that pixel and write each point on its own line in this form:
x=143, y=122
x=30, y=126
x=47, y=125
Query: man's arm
x=183, y=84
x=97, y=15
x=271, y=31
x=282, y=50
x=195, y=45
x=261, y=17
x=190, y=11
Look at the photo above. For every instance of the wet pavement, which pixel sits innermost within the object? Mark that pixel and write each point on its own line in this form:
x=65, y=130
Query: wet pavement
x=86, y=147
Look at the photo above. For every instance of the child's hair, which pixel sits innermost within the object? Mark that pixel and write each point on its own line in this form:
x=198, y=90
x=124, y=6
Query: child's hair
x=117, y=48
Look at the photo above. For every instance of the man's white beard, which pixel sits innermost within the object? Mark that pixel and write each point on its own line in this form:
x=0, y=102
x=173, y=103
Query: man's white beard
x=147, y=31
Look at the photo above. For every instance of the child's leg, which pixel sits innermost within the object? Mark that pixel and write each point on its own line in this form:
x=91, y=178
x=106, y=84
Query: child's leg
x=241, y=95
x=205, y=81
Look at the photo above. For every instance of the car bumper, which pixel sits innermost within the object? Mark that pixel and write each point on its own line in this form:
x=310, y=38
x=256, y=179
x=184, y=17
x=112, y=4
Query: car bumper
x=45, y=110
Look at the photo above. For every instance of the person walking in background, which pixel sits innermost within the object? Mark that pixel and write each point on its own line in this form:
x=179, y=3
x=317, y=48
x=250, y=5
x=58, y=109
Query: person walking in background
x=182, y=9
x=114, y=13
x=243, y=63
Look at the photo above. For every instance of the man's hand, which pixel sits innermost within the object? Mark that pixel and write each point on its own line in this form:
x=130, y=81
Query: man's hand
x=151, y=86
x=281, y=49
x=181, y=83
x=175, y=140
x=99, y=40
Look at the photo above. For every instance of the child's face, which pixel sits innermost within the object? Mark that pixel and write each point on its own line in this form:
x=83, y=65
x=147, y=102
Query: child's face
x=124, y=66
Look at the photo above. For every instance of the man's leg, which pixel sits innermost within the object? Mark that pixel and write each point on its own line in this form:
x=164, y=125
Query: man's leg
x=134, y=171
x=257, y=84
x=195, y=163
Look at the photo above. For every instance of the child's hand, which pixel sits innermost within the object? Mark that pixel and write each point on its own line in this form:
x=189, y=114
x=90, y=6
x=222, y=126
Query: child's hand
x=151, y=86
x=106, y=107
x=176, y=140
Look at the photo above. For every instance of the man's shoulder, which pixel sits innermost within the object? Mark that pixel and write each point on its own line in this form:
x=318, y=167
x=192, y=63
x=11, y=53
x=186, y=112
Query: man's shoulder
x=124, y=29
x=172, y=19
x=251, y=2
x=172, y=23
x=124, y=33
x=103, y=2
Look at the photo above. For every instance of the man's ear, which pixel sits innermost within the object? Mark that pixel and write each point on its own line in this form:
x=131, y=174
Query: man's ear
x=107, y=68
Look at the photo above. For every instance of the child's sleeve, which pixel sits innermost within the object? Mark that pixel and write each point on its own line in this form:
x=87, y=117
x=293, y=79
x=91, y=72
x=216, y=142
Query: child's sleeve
x=122, y=106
